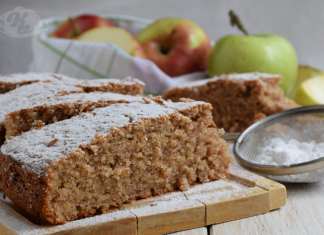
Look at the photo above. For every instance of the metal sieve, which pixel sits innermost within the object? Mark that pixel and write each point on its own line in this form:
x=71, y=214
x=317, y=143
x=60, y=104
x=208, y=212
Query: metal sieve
x=305, y=124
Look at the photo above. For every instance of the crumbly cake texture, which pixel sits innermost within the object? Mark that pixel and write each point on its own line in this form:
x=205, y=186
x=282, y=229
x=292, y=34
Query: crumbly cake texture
x=52, y=89
x=238, y=100
x=130, y=86
x=43, y=112
x=100, y=160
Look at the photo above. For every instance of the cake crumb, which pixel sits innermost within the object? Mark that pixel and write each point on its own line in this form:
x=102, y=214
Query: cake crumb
x=38, y=124
x=52, y=142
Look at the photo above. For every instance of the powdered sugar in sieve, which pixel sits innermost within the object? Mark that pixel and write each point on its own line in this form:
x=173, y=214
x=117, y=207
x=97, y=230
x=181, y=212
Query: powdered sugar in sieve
x=288, y=146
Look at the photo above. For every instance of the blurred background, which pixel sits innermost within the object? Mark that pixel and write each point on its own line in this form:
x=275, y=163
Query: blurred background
x=299, y=21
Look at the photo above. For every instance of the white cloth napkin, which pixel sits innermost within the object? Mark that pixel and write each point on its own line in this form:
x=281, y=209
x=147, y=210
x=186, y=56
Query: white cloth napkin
x=86, y=60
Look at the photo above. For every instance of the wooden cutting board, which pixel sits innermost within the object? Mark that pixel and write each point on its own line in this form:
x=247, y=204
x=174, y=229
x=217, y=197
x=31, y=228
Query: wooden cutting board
x=244, y=194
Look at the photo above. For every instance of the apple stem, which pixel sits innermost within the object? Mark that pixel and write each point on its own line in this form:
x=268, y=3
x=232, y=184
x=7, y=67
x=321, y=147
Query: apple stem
x=236, y=22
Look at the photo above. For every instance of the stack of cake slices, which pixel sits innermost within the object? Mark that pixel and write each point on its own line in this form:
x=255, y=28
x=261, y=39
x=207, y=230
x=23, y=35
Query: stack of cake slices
x=72, y=149
x=37, y=99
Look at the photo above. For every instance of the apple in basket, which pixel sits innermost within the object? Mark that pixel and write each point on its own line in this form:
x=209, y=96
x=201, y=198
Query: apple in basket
x=92, y=28
x=177, y=46
x=75, y=26
x=114, y=35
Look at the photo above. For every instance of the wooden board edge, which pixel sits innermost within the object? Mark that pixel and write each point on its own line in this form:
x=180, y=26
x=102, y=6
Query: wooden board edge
x=277, y=191
x=254, y=203
x=119, y=227
x=170, y=222
x=6, y=231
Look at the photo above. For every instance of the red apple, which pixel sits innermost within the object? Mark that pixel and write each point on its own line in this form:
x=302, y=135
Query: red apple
x=75, y=26
x=178, y=46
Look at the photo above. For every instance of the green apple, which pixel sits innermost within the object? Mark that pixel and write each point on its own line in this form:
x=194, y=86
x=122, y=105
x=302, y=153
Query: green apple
x=255, y=53
x=177, y=46
x=310, y=92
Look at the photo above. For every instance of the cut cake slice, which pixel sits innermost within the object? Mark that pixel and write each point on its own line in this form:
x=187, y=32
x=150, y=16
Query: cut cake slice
x=126, y=86
x=46, y=111
x=238, y=99
x=100, y=160
x=130, y=86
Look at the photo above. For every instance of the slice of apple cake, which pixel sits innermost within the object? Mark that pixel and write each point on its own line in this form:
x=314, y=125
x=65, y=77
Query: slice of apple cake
x=100, y=160
x=238, y=99
x=24, y=117
x=130, y=86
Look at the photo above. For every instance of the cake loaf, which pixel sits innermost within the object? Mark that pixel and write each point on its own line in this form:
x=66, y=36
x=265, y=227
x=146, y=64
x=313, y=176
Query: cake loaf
x=128, y=86
x=238, y=99
x=100, y=160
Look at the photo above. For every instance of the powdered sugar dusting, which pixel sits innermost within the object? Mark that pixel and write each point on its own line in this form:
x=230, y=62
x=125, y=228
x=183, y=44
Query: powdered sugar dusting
x=32, y=95
x=216, y=190
x=33, y=151
x=281, y=151
x=23, y=77
x=160, y=207
x=93, y=97
x=152, y=201
x=105, y=81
